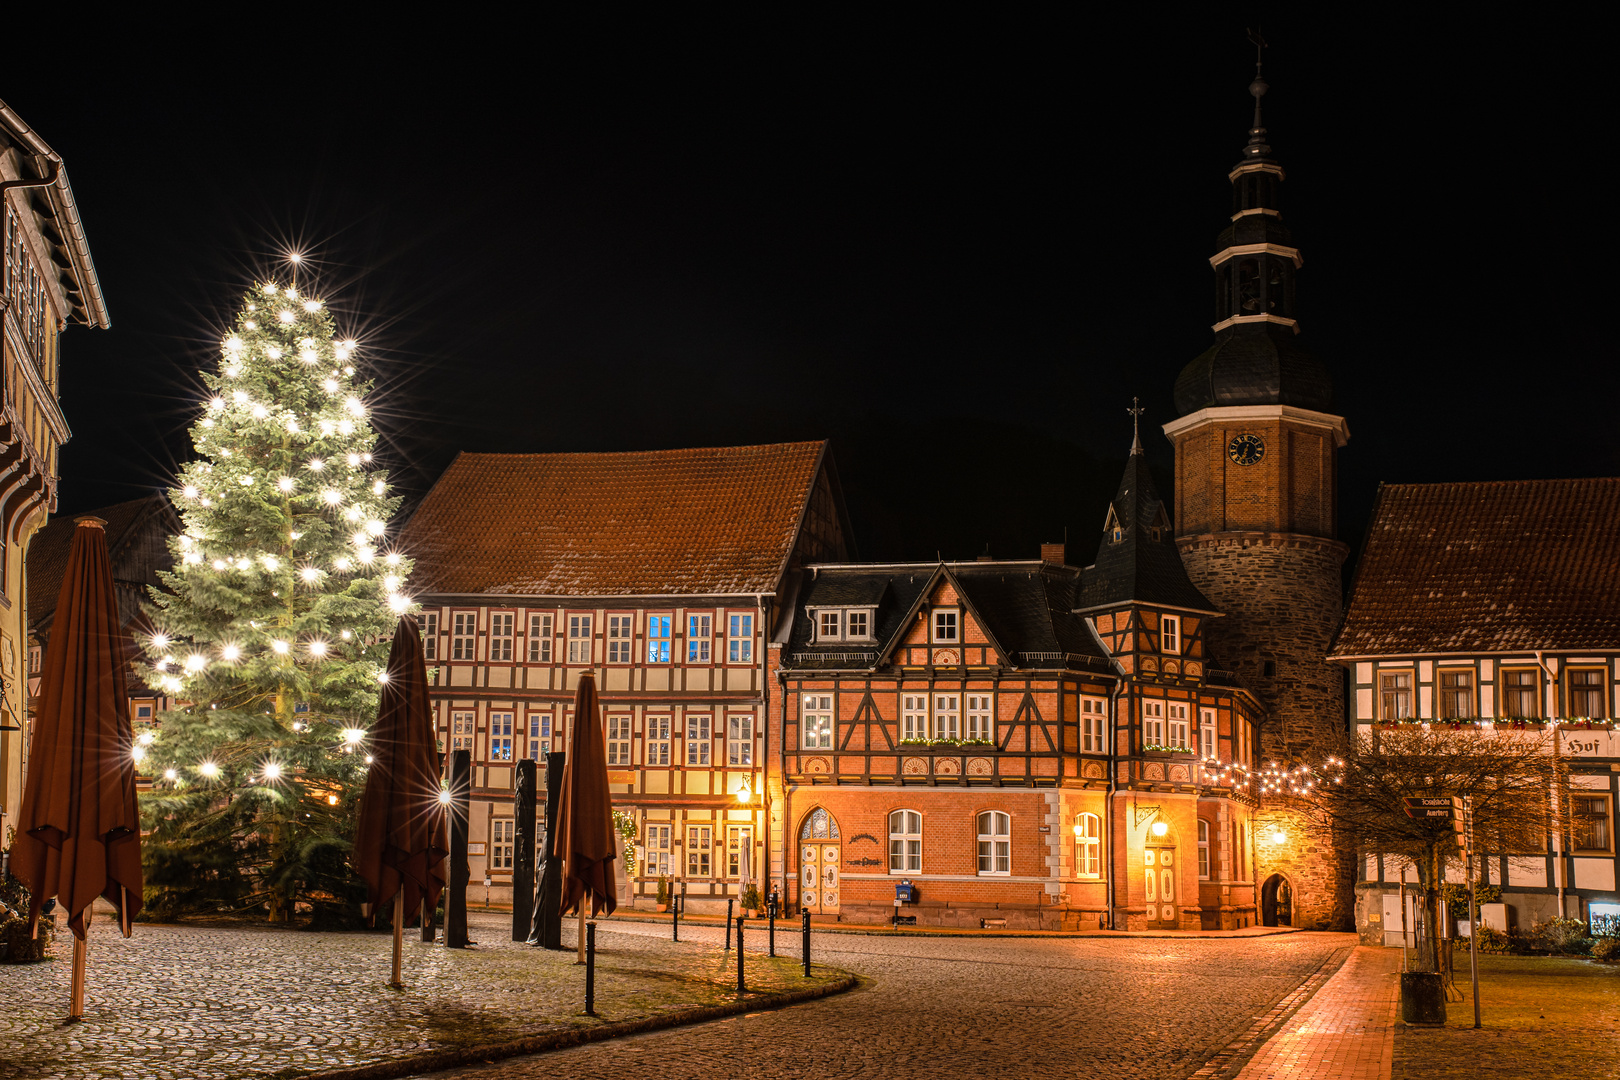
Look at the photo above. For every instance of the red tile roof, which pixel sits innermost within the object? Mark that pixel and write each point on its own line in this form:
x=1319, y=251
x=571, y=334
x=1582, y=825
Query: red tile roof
x=1489, y=567
x=718, y=521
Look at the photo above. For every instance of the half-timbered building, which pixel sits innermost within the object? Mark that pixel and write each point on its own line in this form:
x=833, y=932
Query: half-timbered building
x=1479, y=606
x=1017, y=742
x=664, y=573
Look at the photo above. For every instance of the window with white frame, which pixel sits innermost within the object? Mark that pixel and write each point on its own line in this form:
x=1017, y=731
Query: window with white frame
x=829, y=625
x=1207, y=746
x=464, y=636
x=1203, y=850
x=947, y=716
x=1594, y=822
x=699, y=840
x=1521, y=693
x=579, y=639
x=658, y=639
x=539, y=736
x=428, y=623
x=1093, y=725
x=698, y=635
x=461, y=730
x=501, y=832
x=658, y=740
x=1087, y=846
x=1170, y=634
x=1180, y=736
x=739, y=739
x=500, y=637
x=858, y=625
x=1153, y=723
x=1395, y=695
x=995, y=843
x=539, y=639
x=658, y=851
x=741, y=640
x=818, y=722
x=500, y=736
x=905, y=842
x=981, y=717
x=698, y=740
x=945, y=624
x=739, y=851
x=619, y=630
x=914, y=717
x=618, y=740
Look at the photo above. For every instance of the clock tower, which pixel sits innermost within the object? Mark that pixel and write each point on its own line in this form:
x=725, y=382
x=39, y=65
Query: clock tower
x=1255, y=444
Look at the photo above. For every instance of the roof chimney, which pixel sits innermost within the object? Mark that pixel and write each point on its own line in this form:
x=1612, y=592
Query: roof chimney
x=1053, y=554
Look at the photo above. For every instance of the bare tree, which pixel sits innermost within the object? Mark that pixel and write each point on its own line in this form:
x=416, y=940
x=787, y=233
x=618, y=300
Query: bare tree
x=1509, y=776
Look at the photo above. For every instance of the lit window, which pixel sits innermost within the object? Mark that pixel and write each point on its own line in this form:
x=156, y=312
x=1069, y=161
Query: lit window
x=698, y=841
x=697, y=740
x=501, y=832
x=658, y=638
x=1456, y=694
x=1093, y=725
x=1170, y=634
x=618, y=638
x=905, y=842
x=500, y=637
x=697, y=639
x=914, y=718
x=858, y=626
x=742, y=639
x=461, y=731
x=618, y=746
x=947, y=717
x=539, y=736
x=740, y=739
x=945, y=625
x=981, y=718
x=579, y=639
x=1180, y=736
x=1203, y=850
x=1594, y=827
x=818, y=722
x=500, y=736
x=1088, y=846
x=539, y=639
x=1586, y=693
x=995, y=845
x=658, y=740
x=1395, y=691
x=1521, y=693
x=1153, y=723
x=428, y=623
x=739, y=851
x=828, y=625
x=658, y=851
x=464, y=636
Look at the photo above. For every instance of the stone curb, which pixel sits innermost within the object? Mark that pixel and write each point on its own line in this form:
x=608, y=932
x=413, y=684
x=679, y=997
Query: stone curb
x=561, y=1040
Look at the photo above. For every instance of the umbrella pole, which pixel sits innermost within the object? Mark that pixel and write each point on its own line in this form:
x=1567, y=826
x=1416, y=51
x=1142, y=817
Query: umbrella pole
x=399, y=936
x=582, y=928
x=76, y=994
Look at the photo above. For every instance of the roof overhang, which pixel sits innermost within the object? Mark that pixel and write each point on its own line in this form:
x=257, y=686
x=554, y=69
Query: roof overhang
x=1290, y=413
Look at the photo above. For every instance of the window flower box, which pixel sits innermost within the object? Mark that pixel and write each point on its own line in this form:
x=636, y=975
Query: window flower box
x=1585, y=723
x=1156, y=748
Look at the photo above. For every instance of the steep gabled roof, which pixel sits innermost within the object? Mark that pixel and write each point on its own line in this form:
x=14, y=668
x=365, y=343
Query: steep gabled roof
x=714, y=522
x=1487, y=567
x=1143, y=565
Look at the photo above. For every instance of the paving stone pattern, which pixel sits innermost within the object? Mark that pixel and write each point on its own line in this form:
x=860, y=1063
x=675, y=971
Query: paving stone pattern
x=977, y=1007
x=197, y=1003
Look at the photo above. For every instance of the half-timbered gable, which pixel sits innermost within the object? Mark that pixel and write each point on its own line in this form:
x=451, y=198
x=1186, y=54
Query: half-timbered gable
x=1478, y=606
x=664, y=573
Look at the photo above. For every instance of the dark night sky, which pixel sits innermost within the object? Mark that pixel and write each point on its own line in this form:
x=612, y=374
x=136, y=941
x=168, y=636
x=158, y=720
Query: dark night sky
x=958, y=250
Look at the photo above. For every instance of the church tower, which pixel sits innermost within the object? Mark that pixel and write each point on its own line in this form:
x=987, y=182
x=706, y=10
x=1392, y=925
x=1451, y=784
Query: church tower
x=1255, y=441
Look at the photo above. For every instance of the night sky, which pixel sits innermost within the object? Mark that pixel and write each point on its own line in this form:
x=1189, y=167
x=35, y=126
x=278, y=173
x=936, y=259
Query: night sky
x=958, y=249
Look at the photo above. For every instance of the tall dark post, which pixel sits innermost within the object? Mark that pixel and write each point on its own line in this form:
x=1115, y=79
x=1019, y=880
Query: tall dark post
x=523, y=851
x=807, y=944
x=728, y=924
x=455, y=903
x=427, y=922
x=545, y=925
x=590, y=966
x=742, y=987
x=674, y=918
x=771, y=916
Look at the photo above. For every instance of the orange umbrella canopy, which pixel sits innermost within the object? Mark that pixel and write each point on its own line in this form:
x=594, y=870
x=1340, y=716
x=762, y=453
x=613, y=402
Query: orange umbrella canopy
x=399, y=836
x=79, y=835
x=584, y=837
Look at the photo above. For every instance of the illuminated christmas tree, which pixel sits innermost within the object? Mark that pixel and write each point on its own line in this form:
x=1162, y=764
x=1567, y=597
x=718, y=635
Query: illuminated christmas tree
x=273, y=626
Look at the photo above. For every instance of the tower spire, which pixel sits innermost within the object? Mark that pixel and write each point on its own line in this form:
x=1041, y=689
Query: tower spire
x=1257, y=149
x=1136, y=412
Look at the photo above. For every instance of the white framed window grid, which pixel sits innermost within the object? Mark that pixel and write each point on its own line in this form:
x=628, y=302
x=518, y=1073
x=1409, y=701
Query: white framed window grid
x=579, y=639
x=1093, y=725
x=658, y=740
x=981, y=717
x=618, y=740
x=658, y=638
x=818, y=722
x=539, y=736
x=947, y=716
x=945, y=625
x=740, y=640
x=501, y=832
x=698, y=637
x=658, y=851
x=1170, y=634
x=428, y=623
x=1153, y=723
x=699, y=743
x=500, y=736
x=462, y=728
x=500, y=637
x=1203, y=850
x=539, y=639
x=699, y=841
x=914, y=717
x=1180, y=735
x=905, y=842
x=1088, y=846
x=464, y=636
x=740, y=739
x=739, y=851
x=1207, y=747
x=620, y=629
x=995, y=844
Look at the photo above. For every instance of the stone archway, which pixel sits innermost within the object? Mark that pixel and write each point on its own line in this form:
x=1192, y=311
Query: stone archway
x=1277, y=901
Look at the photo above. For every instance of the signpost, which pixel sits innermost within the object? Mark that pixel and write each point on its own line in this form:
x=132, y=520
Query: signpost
x=1460, y=813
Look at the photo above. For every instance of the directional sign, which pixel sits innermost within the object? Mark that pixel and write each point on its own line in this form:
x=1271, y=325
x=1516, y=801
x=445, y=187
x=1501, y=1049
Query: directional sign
x=1441, y=807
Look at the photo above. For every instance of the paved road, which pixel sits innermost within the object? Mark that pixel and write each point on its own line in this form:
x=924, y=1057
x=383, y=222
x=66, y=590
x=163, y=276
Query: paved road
x=984, y=1007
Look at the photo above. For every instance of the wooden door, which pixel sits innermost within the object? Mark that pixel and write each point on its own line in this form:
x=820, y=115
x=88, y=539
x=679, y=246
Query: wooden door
x=1159, y=870
x=818, y=877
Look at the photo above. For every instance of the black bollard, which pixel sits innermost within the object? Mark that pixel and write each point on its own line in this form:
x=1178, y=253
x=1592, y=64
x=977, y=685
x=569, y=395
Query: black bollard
x=770, y=921
x=728, y=924
x=590, y=965
x=807, y=944
x=742, y=988
x=674, y=918
x=455, y=901
x=523, y=846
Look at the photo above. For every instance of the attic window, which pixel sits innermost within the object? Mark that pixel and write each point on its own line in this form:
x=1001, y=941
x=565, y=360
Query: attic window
x=841, y=624
x=859, y=626
x=1115, y=530
x=829, y=626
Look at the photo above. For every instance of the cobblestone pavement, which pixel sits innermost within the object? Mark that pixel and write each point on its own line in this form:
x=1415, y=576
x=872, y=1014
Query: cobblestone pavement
x=197, y=1002
x=990, y=1007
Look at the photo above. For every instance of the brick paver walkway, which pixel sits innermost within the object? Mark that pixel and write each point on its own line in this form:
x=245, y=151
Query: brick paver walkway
x=1345, y=1032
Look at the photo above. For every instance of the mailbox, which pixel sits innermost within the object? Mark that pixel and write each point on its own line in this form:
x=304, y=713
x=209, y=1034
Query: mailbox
x=905, y=893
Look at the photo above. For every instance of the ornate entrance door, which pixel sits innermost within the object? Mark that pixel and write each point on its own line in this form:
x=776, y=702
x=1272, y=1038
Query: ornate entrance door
x=1159, y=870
x=819, y=855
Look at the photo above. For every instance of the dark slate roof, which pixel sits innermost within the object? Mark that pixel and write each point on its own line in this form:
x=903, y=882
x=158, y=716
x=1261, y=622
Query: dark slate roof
x=1025, y=607
x=1254, y=364
x=717, y=521
x=1487, y=567
x=135, y=555
x=1138, y=568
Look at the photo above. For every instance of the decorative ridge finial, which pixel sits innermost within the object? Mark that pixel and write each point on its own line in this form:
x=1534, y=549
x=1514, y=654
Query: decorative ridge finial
x=1136, y=412
x=1257, y=147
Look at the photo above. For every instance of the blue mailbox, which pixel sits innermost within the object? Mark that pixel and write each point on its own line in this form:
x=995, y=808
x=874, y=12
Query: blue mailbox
x=905, y=893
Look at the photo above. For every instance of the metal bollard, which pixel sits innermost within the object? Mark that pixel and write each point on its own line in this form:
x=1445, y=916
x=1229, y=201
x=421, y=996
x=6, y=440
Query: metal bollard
x=771, y=922
x=807, y=944
x=675, y=918
x=590, y=967
x=728, y=923
x=742, y=988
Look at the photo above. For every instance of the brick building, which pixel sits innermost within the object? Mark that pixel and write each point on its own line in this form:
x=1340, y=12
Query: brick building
x=1484, y=606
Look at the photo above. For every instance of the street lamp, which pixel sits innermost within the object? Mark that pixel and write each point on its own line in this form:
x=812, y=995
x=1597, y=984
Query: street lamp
x=745, y=795
x=1277, y=834
x=1160, y=828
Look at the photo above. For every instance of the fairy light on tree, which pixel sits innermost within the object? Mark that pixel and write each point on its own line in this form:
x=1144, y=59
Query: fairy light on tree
x=274, y=623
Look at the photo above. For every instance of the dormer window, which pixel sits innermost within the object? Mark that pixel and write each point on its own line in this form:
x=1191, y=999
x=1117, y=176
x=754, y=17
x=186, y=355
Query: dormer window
x=833, y=625
x=830, y=626
x=858, y=626
x=945, y=625
x=1113, y=527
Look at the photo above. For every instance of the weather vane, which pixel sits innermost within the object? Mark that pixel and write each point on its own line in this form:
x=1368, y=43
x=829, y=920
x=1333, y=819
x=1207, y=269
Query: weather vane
x=1136, y=412
x=1259, y=49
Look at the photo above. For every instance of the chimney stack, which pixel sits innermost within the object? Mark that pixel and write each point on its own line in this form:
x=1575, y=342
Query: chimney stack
x=1053, y=554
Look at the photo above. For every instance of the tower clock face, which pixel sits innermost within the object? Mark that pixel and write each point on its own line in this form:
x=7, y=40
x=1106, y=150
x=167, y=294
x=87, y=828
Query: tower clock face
x=1246, y=449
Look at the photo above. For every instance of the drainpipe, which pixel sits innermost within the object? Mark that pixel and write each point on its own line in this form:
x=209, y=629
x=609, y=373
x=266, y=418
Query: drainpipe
x=765, y=743
x=1108, y=810
x=787, y=795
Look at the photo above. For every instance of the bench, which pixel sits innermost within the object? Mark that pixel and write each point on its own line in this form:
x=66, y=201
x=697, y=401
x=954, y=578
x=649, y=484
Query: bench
x=905, y=920
x=992, y=924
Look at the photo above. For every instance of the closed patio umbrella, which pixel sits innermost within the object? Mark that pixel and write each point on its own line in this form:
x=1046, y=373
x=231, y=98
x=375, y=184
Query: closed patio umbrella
x=79, y=835
x=399, y=837
x=584, y=841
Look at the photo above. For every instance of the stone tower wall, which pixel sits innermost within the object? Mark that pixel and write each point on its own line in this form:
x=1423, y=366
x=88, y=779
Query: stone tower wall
x=1283, y=599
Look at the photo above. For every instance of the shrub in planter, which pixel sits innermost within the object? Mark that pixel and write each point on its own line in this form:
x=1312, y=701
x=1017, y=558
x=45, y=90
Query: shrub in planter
x=750, y=898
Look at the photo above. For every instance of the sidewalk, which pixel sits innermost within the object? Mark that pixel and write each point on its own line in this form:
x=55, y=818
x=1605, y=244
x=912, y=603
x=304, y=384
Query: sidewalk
x=790, y=925
x=1346, y=1031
